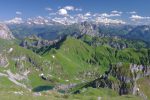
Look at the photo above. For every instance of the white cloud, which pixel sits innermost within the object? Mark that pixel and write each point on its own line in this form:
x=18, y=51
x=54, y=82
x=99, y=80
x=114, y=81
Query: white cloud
x=69, y=8
x=37, y=20
x=137, y=17
x=16, y=20
x=62, y=12
x=64, y=20
x=88, y=14
x=105, y=15
x=108, y=21
x=96, y=15
x=113, y=13
x=48, y=9
x=72, y=8
x=116, y=12
x=78, y=9
x=132, y=12
x=81, y=18
x=18, y=13
x=109, y=15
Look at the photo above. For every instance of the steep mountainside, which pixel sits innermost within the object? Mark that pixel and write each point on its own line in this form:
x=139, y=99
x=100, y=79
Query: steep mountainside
x=5, y=33
x=140, y=32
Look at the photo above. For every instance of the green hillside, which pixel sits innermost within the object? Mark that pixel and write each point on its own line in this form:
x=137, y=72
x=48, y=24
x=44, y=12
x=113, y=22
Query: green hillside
x=71, y=61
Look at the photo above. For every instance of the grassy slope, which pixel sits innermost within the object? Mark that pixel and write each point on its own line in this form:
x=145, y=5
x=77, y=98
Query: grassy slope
x=71, y=58
x=74, y=56
x=37, y=63
x=144, y=86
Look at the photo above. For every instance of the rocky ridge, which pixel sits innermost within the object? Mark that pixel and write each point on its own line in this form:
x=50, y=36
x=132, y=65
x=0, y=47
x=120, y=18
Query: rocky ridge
x=5, y=33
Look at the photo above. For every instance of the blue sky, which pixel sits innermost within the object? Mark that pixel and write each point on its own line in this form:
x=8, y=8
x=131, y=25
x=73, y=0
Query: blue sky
x=31, y=8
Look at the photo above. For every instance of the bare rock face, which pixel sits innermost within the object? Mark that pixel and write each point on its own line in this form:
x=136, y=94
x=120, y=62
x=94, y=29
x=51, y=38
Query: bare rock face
x=5, y=33
x=88, y=28
x=3, y=61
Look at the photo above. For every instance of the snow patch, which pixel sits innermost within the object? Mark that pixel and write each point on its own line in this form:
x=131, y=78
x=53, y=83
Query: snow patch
x=10, y=50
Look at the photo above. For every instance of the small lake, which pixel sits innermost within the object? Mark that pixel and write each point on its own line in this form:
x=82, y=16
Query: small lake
x=42, y=88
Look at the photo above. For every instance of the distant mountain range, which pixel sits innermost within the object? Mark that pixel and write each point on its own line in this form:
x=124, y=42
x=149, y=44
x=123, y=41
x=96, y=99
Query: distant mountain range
x=50, y=32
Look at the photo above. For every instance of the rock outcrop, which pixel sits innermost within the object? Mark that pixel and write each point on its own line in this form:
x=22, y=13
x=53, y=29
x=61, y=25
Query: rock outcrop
x=5, y=33
x=3, y=61
x=122, y=78
x=36, y=42
x=88, y=28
